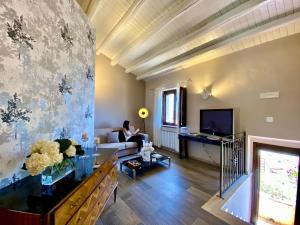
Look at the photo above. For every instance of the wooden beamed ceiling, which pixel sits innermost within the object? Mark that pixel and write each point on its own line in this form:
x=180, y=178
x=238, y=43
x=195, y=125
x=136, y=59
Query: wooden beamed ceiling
x=153, y=37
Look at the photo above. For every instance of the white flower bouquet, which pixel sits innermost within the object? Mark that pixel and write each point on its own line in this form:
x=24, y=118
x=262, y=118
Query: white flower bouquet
x=51, y=155
x=146, y=151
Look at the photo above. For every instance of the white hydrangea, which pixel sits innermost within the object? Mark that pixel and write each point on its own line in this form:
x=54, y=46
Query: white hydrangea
x=37, y=163
x=71, y=151
x=56, y=158
x=74, y=142
x=36, y=148
x=49, y=148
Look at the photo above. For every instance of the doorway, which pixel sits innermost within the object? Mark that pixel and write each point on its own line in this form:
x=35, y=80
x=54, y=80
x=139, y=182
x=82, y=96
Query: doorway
x=275, y=187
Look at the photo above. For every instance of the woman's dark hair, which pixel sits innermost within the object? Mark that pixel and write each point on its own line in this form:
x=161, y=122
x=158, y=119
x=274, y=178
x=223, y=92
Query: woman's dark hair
x=126, y=124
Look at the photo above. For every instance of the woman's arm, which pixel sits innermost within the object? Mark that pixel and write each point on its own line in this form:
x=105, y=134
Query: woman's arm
x=127, y=133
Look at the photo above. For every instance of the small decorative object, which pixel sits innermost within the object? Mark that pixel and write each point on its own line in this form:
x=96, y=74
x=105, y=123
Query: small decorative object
x=54, y=159
x=146, y=151
x=85, y=138
x=143, y=113
x=184, y=130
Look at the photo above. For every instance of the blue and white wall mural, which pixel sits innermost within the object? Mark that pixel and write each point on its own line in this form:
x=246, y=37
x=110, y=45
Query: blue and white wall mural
x=47, y=66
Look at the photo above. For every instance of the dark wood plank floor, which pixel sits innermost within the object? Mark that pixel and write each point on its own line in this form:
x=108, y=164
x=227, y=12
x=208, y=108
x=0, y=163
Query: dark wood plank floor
x=163, y=196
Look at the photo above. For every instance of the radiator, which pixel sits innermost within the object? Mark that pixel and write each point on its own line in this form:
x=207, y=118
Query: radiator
x=169, y=138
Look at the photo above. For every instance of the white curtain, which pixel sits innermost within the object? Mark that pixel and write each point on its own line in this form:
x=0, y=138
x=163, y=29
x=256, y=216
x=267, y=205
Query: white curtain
x=157, y=117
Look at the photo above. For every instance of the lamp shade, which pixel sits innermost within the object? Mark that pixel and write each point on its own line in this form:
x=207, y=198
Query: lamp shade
x=143, y=113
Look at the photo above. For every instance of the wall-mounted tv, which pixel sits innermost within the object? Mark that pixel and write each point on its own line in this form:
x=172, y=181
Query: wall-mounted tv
x=219, y=122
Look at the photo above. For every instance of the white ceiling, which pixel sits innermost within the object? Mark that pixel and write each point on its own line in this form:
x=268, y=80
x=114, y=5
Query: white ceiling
x=152, y=37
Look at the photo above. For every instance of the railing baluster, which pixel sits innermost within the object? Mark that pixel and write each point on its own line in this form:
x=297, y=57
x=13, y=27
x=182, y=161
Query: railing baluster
x=221, y=169
x=227, y=168
x=240, y=162
x=230, y=163
x=232, y=160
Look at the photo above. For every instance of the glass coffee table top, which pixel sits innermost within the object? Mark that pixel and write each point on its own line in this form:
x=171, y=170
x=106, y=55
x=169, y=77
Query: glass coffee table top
x=136, y=163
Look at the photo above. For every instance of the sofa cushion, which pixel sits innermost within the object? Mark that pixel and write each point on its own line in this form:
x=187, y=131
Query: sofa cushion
x=101, y=133
x=119, y=146
x=130, y=144
x=113, y=137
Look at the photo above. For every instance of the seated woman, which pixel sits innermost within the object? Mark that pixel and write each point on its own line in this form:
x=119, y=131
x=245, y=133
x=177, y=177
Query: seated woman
x=132, y=137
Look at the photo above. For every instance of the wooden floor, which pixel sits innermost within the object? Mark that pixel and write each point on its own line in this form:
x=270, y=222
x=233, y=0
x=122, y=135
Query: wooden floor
x=163, y=196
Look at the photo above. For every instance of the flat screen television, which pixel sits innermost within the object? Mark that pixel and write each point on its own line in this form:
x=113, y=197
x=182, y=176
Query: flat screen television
x=219, y=122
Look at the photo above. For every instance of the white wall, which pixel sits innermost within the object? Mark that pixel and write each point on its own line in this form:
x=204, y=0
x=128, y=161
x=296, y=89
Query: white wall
x=236, y=81
x=239, y=204
x=118, y=95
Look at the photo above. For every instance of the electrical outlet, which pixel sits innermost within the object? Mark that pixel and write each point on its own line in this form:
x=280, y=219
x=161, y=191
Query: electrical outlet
x=269, y=119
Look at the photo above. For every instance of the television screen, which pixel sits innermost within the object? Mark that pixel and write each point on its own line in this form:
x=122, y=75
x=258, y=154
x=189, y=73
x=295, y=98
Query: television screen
x=216, y=121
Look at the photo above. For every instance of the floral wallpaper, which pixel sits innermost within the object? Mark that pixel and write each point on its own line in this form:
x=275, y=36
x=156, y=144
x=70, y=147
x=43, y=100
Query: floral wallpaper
x=47, y=66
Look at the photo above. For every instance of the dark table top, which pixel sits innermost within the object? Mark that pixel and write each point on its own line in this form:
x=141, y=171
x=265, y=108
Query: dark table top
x=30, y=196
x=199, y=138
x=144, y=164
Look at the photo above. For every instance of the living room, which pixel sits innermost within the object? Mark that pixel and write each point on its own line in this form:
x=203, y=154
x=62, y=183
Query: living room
x=72, y=74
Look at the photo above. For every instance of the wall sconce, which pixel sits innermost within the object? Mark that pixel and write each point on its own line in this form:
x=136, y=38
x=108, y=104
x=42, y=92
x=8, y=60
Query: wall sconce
x=185, y=83
x=206, y=93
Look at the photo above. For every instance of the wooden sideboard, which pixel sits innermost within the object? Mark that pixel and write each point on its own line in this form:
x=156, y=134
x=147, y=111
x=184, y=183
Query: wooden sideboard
x=81, y=203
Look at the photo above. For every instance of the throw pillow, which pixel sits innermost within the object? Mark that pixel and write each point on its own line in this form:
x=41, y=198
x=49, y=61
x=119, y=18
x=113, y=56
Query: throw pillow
x=121, y=136
x=113, y=137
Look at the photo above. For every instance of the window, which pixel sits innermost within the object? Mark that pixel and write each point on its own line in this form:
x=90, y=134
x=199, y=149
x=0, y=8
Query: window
x=169, y=108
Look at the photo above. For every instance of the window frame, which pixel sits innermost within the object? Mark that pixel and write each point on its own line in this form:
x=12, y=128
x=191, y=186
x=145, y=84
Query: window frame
x=165, y=93
x=255, y=180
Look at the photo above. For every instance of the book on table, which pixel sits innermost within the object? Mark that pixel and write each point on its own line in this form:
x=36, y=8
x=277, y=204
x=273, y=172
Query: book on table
x=134, y=163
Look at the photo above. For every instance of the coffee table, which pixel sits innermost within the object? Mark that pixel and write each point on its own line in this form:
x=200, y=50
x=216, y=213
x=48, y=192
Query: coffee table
x=155, y=159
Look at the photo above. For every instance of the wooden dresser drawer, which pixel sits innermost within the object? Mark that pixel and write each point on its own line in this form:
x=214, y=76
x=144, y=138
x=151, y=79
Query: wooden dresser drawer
x=90, y=210
x=92, y=218
x=65, y=212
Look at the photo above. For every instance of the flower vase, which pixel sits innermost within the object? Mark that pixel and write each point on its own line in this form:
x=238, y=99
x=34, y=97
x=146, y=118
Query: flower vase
x=52, y=175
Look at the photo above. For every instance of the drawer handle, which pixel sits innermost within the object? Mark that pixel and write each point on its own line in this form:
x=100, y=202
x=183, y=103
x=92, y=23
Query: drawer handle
x=75, y=204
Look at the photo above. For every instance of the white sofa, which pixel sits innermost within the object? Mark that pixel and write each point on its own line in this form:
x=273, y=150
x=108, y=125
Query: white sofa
x=125, y=148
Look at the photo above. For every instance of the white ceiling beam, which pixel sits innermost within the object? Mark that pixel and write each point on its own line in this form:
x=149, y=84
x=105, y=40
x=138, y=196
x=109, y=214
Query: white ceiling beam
x=93, y=8
x=131, y=11
x=170, y=15
x=180, y=61
x=84, y=4
x=232, y=14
